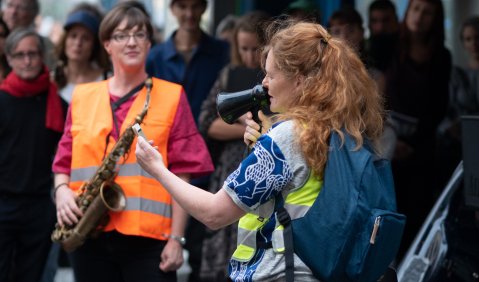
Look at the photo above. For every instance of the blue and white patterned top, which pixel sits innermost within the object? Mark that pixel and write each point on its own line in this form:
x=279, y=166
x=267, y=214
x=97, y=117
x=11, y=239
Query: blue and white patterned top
x=276, y=165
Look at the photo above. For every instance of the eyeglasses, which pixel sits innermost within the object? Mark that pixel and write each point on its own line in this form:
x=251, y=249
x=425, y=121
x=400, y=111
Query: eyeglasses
x=22, y=55
x=125, y=37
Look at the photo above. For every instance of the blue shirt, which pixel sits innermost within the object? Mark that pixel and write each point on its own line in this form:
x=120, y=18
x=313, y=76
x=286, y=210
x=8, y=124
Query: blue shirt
x=198, y=76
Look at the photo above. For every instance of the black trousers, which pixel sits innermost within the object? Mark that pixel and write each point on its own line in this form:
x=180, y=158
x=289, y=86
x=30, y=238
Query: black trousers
x=26, y=224
x=116, y=257
x=195, y=234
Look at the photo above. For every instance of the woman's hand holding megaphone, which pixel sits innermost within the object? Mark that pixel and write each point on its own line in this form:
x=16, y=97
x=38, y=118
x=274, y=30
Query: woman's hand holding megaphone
x=253, y=129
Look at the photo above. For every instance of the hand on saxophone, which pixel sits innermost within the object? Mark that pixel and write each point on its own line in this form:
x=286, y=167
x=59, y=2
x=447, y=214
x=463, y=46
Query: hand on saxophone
x=149, y=157
x=253, y=129
x=68, y=212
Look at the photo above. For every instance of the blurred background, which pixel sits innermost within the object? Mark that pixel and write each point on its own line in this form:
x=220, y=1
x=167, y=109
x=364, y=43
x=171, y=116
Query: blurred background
x=54, y=12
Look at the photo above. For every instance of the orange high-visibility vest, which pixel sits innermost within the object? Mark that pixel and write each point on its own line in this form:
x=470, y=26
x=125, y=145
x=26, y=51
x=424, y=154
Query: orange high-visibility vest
x=148, y=207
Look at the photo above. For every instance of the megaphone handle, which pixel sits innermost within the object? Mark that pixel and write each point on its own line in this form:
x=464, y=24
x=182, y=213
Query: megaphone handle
x=248, y=148
x=246, y=151
x=256, y=119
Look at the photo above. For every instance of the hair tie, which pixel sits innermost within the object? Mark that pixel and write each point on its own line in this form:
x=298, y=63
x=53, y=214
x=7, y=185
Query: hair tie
x=325, y=39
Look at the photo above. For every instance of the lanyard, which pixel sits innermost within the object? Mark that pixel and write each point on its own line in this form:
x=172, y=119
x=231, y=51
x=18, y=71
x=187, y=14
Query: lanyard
x=115, y=105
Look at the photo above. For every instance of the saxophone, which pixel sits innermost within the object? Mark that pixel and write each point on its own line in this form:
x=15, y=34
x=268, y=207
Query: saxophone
x=100, y=193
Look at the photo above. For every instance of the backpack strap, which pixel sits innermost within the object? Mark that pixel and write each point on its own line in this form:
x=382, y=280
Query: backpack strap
x=285, y=220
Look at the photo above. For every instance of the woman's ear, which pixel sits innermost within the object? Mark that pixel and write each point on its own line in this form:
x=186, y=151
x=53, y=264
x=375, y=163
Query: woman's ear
x=9, y=61
x=298, y=84
x=106, y=45
x=148, y=47
x=299, y=80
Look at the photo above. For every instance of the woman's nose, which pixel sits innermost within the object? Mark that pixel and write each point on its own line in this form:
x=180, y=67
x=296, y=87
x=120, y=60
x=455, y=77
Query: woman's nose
x=264, y=82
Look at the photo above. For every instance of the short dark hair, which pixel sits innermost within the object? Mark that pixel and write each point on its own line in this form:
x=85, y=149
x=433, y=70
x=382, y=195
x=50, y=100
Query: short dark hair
x=17, y=35
x=35, y=5
x=204, y=2
x=135, y=14
x=382, y=5
x=347, y=15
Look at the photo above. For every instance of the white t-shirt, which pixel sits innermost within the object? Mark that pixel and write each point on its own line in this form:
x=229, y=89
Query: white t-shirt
x=67, y=91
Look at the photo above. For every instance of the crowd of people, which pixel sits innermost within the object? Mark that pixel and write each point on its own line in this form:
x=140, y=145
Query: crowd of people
x=192, y=183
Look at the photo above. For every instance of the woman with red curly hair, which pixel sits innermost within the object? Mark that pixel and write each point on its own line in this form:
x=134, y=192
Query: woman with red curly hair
x=318, y=86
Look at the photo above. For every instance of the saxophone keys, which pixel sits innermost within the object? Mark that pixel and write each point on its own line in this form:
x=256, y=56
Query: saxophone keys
x=106, y=174
x=88, y=199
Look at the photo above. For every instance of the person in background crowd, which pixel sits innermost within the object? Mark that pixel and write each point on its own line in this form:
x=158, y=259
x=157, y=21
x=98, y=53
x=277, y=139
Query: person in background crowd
x=383, y=33
x=144, y=241
x=347, y=25
x=463, y=99
x=193, y=59
x=190, y=56
x=382, y=18
x=81, y=58
x=304, y=10
x=417, y=95
x=31, y=122
x=4, y=66
x=225, y=140
x=158, y=34
x=226, y=27
x=22, y=13
x=314, y=80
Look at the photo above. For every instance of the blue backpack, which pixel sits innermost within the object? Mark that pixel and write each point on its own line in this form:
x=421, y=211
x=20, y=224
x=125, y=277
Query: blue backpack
x=352, y=231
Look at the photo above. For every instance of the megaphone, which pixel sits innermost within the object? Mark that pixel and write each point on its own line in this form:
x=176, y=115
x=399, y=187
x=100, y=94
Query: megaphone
x=231, y=106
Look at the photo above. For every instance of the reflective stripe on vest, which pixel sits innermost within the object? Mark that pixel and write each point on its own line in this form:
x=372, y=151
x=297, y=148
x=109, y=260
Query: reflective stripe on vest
x=246, y=244
x=84, y=174
x=297, y=204
x=148, y=206
x=151, y=206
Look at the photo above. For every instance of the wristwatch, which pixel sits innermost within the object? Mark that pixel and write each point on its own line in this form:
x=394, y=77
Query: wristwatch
x=180, y=239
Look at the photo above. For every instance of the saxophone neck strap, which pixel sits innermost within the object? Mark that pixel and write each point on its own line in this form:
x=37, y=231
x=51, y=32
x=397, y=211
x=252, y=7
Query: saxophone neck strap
x=116, y=104
x=114, y=107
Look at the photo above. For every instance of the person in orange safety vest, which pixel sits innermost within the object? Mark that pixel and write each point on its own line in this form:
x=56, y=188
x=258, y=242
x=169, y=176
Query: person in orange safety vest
x=149, y=231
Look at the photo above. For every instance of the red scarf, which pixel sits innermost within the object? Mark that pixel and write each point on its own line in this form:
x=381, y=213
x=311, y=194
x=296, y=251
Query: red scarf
x=21, y=88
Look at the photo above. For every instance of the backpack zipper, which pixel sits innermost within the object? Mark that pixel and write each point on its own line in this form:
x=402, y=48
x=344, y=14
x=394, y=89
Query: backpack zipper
x=377, y=221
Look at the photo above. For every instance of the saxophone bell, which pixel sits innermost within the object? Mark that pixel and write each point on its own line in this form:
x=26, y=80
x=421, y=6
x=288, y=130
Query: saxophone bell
x=112, y=196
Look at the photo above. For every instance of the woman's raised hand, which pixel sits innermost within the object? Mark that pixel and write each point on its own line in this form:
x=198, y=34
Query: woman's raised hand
x=148, y=157
x=253, y=129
